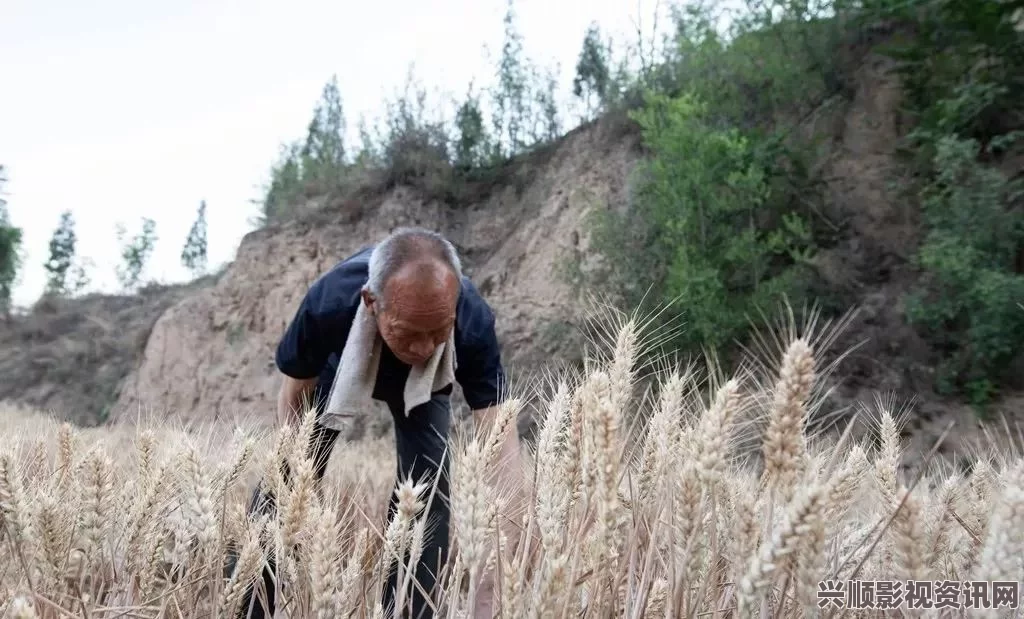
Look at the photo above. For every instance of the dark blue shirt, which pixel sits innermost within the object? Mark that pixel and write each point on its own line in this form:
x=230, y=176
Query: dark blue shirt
x=313, y=342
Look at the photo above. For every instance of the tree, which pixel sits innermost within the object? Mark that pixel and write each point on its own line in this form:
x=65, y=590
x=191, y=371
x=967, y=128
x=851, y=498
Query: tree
x=78, y=276
x=10, y=249
x=593, y=77
x=549, y=124
x=313, y=164
x=62, y=254
x=323, y=154
x=135, y=254
x=511, y=95
x=368, y=154
x=470, y=148
x=193, y=255
x=285, y=182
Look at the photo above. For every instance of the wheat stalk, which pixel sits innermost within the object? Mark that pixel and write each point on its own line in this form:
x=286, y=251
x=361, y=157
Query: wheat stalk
x=643, y=507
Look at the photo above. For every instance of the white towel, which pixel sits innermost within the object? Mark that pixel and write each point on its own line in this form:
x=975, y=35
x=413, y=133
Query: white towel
x=352, y=390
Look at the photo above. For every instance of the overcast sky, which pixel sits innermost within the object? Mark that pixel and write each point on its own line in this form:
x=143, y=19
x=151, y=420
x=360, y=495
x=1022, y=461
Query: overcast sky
x=120, y=109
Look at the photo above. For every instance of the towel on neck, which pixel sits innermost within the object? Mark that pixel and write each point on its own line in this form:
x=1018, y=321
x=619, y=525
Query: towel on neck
x=352, y=390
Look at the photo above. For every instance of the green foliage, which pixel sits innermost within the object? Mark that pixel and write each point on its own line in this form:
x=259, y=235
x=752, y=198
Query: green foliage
x=62, y=260
x=960, y=67
x=705, y=194
x=547, y=124
x=966, y=300
x=286, y=182
x=777, y=63
x=961, y=71
x=511, y=95
x=593, y=81
x=193, y=254
x=723, y=218
x=323, y=153
x=368, y=155
x=416, y=147
x=10, y=250
x=315, y=165
x=78, y=276
x=471, y=146
x=724, y=215
x=422, y=145
x=135, y=253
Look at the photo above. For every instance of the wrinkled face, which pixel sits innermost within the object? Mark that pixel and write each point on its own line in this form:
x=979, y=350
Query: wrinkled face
x=420, y=310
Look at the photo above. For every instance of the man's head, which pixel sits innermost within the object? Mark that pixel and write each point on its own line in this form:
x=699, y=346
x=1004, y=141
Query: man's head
x=413, y=291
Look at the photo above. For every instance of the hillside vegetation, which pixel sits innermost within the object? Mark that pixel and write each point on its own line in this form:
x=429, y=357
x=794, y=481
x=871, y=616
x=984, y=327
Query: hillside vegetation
x=735, y=207
x=740, y=202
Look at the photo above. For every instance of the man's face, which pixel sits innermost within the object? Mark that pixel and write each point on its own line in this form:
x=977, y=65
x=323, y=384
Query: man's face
x=420, y=313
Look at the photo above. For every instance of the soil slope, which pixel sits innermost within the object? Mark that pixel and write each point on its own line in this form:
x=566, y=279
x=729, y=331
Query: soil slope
x=70, y=358
x=210, y=353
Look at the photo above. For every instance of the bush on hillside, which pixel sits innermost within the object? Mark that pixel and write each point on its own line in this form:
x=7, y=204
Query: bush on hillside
x=722, y=246
x=966, y=302
x=415, y=144
x=723, y=218
x=727, y=211
x=961, y=72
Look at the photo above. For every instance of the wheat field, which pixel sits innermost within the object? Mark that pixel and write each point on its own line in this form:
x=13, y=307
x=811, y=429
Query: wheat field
x=704, y=496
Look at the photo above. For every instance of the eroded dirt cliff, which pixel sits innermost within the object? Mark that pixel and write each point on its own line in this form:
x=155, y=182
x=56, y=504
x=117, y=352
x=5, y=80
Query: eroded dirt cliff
x=211, y=355
x=69, y=358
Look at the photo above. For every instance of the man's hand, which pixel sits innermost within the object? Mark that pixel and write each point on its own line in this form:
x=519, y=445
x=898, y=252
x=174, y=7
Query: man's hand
x=292, y=399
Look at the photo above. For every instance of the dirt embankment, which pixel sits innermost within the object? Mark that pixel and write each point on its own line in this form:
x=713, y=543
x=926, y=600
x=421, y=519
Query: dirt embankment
x=210, y=353
x=70, y=358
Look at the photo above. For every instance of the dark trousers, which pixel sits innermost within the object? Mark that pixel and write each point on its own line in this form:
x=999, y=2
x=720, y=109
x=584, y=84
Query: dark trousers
x=421, y=443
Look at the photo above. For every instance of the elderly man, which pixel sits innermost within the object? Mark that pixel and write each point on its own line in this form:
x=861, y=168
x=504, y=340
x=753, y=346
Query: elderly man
x=408, y=290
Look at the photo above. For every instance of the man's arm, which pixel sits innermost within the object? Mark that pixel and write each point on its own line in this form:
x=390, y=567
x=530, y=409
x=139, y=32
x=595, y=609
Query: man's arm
x=506, y=473
x=482, y=376
x=303, y=351
x=293, y=397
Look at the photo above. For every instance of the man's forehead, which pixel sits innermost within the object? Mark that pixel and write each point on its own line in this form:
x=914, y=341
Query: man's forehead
x=423, y=286
x=423, y=323
x=424, y=267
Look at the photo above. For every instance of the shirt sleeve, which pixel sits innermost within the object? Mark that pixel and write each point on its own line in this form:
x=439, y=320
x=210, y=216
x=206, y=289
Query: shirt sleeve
x=479, y=368
x=303, y=350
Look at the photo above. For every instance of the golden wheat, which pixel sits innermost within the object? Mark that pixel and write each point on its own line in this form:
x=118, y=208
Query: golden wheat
x=689, y=524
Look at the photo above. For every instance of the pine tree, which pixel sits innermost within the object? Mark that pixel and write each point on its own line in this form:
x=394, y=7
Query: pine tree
x=135, y=253
x=193, y=255
x=62, y=254
x=511, y=96
x=470, y=149
x=10, y=250
x=323, y=154
x=593, y=77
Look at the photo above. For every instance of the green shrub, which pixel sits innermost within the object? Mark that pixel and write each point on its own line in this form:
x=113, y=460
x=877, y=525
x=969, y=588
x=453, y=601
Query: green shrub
x=722, y=221
x=966, y=302
x=960, y=69
x=724, y=245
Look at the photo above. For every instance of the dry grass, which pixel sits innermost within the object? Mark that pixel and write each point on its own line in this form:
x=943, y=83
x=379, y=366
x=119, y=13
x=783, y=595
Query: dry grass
x=641, y=506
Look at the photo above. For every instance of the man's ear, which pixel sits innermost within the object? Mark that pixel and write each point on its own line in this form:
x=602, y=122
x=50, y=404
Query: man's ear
x=368, y=299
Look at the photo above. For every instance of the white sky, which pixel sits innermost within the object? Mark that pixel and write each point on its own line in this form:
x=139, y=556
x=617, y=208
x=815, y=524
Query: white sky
x=119, y=110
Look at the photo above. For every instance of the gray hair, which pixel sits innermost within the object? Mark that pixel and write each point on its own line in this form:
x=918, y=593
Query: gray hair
x=402, y=246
